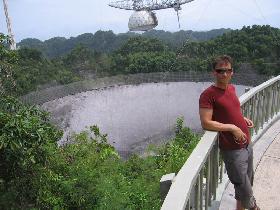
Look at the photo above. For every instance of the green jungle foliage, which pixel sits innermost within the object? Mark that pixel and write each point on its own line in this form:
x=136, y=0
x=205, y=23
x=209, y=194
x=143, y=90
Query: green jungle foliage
x=25, y=70
x=36, y=173
x=33, y=71
x=107, y=41
x=98, y=55
x=82, y=59
x=7, y=60
x=86, y=174
x=142, y=55
x=257, y=46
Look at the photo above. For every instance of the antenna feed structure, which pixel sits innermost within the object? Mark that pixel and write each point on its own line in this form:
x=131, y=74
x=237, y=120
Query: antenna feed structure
x=144, y=18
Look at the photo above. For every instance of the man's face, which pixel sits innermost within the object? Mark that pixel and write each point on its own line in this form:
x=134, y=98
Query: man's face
x=223, y=72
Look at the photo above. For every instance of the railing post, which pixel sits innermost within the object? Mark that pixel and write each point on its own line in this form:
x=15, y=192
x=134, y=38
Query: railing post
x=257, y=106
x=165, y=184
x=208, y=189
x=197, y=192
x=270, y=111
x=251, y=115
x=201, y=175
x=273, y=101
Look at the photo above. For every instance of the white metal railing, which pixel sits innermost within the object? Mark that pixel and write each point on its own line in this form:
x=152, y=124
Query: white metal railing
x=196, y=184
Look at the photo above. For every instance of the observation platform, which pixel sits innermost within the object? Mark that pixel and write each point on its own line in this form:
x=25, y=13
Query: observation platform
x=267, y=172
x=207, y=186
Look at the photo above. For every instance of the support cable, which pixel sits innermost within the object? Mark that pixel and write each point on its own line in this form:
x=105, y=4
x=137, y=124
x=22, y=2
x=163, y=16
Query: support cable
x=8, y=21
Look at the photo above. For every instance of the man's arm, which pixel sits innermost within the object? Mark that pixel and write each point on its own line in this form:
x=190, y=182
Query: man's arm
x=208, y=124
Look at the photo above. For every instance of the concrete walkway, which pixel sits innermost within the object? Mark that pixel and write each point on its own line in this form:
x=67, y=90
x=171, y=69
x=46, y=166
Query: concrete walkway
x=267, y=175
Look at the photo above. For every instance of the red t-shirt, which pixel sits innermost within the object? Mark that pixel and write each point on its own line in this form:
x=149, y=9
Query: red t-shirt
x=226, y=109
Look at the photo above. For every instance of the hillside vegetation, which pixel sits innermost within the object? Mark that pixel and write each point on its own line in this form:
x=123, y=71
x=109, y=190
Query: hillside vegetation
x=86, y=174
x=257, y=46
x=107, y=41
x=36, y=173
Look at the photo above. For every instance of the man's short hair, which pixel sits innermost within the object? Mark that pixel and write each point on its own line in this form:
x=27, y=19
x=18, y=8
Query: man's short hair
x=221, y=59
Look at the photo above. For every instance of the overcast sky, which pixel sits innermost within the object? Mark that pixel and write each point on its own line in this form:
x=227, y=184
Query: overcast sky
x=44, y=19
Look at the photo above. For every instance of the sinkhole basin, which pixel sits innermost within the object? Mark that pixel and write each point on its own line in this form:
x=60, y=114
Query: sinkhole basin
x=133, y=116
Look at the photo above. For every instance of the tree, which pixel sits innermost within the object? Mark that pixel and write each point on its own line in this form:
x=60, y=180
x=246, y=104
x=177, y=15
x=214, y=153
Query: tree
x=7, y=60
x=143, y=55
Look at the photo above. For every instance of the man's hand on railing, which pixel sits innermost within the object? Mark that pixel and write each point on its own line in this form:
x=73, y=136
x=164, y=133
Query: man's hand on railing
x=249, y=122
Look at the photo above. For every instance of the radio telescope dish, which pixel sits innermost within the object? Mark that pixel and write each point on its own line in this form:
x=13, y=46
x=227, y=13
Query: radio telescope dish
x=143, y=18
x=142, y=21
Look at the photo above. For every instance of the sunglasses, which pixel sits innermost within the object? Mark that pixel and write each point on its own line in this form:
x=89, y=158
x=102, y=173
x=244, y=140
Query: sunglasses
x=222, y=71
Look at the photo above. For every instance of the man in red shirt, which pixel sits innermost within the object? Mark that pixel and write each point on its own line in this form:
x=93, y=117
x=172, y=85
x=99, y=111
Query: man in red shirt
x=219, y=110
